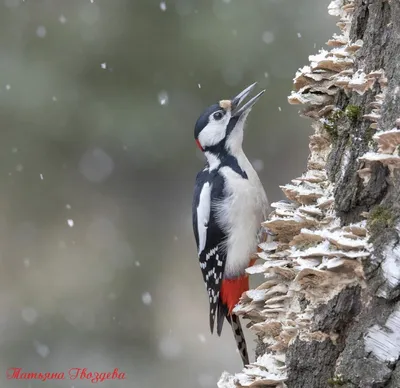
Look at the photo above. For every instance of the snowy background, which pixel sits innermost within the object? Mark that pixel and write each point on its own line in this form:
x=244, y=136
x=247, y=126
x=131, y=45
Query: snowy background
x=98, y=101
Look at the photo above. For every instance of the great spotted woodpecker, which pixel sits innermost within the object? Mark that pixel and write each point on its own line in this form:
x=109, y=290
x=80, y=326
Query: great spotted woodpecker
x=229, y=205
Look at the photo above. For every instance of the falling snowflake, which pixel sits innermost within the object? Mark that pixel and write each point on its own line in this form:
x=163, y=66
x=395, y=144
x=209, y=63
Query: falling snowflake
x=95, y=165
x=298, y=35
x=8, y=87
x=169, y=347
x=266, y=75
x=163, y=97
x=146, y=298
x=41, y=349
x=137, y=264
x=29, y=315
x=201, y=337
x=54, y=98
x=199, y=86
x=104, y=65
x=41, y=31
x=163, y=6
x=206, y=381
x=27, y=262
x=68, y=206
x=258, y=165
x=70, y=223
x=41, y=176
x=62, y=19
x=280, y=109
x=268, y=37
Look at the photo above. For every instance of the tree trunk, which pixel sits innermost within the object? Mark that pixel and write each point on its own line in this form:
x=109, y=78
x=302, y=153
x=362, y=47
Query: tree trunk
x=328, y=313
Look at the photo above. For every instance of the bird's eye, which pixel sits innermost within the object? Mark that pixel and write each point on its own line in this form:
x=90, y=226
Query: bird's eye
x=217, y=115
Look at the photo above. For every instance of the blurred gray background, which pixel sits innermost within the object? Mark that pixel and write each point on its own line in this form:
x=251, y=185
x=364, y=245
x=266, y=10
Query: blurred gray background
x=98, y=101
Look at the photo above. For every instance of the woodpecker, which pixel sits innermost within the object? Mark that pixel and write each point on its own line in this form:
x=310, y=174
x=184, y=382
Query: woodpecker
x=229, y=204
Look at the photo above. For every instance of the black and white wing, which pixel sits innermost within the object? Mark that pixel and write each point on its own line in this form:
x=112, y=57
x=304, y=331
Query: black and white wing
x=210, y=240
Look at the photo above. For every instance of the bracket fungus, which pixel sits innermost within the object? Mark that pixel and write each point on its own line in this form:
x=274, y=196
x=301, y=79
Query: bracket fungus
x=313, y=257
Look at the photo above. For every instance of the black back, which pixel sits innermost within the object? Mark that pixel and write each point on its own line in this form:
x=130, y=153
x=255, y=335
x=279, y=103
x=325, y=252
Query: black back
x=213, y=257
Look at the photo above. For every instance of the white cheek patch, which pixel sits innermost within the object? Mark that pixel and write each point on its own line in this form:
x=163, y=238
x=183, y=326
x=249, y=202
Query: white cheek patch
x=212, y=133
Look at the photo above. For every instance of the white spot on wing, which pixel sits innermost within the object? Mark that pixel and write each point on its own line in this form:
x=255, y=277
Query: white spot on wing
x=203, y=215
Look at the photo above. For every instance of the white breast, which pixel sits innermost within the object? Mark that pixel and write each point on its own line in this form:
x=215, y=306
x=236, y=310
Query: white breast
x=241, y=214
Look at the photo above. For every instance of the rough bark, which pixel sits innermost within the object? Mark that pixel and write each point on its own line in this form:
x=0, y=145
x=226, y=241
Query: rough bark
x=334, y=318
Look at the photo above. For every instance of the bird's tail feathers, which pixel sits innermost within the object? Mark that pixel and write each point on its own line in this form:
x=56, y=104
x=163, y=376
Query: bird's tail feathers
x=239, y=338
x=223, y=312
x=234, y=321
x=212, y=320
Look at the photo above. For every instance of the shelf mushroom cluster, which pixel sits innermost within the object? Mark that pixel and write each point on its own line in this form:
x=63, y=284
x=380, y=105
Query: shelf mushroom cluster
x=388, y=152
x=311, y=258
x=317, y=85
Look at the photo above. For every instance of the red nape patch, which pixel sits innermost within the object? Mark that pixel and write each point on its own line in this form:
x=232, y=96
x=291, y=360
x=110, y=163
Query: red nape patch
x=199, y=145
x=232, y=290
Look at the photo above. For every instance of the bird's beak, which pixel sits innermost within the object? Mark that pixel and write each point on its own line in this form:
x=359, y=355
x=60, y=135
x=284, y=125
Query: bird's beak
x=236, y=101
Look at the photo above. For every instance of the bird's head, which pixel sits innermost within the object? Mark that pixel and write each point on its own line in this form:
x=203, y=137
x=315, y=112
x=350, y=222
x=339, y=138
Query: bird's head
x=220, y=126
